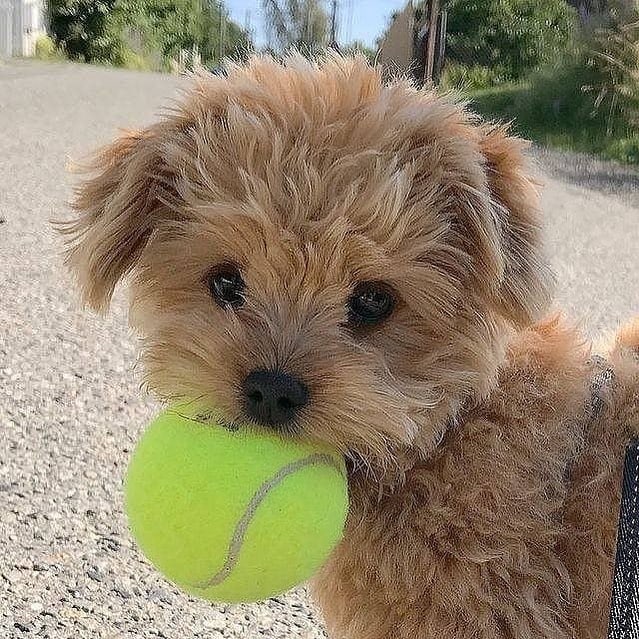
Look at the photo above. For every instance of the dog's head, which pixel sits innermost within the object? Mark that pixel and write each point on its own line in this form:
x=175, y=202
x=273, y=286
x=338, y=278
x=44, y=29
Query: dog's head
x=317, y=251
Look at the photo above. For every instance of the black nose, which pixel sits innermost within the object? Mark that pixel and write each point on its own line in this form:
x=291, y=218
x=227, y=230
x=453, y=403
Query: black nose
x=273, y=397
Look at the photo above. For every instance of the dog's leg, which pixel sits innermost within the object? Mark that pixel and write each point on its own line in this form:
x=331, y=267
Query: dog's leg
x=593, y=499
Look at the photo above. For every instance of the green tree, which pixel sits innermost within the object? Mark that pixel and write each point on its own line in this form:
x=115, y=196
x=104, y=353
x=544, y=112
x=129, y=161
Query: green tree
x=116, y=31
x=80, y=27
x=299, y=24
x=165, y=26
x=510, y=36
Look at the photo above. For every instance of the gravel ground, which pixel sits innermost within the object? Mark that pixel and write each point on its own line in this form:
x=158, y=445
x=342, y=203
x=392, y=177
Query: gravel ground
x=70, y=407
x=592, y=217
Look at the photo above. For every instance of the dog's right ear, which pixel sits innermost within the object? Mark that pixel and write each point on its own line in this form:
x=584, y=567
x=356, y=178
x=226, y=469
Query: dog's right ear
x=525, y=291
x=117, y=208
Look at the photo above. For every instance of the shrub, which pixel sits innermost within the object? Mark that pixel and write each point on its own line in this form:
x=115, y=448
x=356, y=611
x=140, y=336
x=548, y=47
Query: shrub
x=100, y=32
x=135, y=61
x=79, y=27
x=359, y=48
x=515, y=36
x=612, y=54
x=45, y=49
x=588, y=100
x=594, y=87
x=556, y=107
x=625, y=150
x=460, y=77
x=169, y=27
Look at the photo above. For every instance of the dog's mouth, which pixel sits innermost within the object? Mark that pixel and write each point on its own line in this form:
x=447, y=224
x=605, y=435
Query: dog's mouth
x=355, y=462
x=208, y=417
x=211, y=417
x=291, y=429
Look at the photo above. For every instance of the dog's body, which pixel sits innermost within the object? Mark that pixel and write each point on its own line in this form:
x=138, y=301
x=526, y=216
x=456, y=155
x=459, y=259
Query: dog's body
x=509, y=530
x=361, y=265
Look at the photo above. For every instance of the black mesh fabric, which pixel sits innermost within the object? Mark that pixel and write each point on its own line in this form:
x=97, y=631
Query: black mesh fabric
x=624, y=607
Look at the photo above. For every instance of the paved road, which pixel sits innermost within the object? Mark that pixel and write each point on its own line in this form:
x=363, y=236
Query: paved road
x=70, y=407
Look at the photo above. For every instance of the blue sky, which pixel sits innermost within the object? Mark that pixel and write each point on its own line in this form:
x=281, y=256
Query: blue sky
x=359, y=19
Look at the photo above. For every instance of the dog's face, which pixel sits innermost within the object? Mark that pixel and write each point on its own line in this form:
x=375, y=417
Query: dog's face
x=317, y=252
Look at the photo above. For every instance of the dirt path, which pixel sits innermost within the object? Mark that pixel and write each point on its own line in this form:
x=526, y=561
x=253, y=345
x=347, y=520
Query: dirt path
x=592, y=215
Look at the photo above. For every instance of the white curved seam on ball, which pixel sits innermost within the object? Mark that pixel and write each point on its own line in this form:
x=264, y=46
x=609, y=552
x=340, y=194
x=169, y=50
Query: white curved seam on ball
x=242, y=525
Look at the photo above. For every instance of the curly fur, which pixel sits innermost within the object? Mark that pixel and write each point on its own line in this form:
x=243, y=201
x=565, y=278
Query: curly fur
x=483, y=498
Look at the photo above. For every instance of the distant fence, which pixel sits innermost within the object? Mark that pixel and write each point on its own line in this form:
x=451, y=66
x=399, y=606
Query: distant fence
x=6, y=28
x=21, y=23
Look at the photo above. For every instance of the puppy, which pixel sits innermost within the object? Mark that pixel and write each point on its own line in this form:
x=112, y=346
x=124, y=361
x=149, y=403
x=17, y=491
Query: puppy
x=361, y=264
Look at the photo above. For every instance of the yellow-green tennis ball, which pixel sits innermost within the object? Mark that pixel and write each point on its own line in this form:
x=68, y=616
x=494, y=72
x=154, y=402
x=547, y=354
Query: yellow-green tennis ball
x=233, y=513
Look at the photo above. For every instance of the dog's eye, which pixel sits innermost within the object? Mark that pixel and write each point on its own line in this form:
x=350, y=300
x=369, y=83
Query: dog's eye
x=370, y=303
x=226, y=285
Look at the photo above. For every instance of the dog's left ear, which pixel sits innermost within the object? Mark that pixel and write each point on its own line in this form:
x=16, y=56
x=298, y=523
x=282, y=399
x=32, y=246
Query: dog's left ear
x=525, y=291
x=117, y=208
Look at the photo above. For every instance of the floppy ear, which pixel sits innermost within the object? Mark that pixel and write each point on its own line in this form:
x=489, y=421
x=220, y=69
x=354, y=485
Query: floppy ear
x=525, y=291
x=117, y=209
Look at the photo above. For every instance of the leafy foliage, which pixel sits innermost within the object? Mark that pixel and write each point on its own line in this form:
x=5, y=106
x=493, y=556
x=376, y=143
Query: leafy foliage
x=612, y=55
x=79, y=27
x=143, y=34
x=45, y=49
x=588, y=100
x=511, y=37
x=459, y=76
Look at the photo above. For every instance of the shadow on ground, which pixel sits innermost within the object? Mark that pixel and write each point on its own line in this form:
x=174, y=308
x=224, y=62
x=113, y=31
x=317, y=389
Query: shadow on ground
x=590, y=172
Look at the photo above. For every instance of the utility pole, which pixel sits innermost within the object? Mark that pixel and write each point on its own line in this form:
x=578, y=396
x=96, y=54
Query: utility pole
x=333, y=40
x=433, y=20
x=440, y=56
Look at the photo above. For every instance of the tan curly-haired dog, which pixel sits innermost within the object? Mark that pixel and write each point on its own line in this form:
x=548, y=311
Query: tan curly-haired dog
x=360, y=263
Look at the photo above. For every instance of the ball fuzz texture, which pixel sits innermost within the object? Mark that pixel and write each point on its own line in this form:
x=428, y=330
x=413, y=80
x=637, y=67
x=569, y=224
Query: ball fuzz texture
x=229, y=512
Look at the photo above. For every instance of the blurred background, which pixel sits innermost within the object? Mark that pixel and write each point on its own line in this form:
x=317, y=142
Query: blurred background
x=566, y=70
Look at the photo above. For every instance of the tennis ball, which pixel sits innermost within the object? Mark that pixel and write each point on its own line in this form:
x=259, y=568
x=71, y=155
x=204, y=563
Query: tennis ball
x=230, y=512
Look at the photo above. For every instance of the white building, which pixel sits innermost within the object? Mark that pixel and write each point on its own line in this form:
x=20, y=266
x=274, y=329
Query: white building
x=22, y=22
